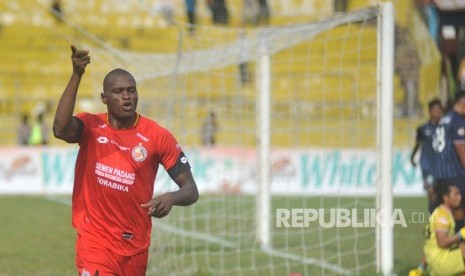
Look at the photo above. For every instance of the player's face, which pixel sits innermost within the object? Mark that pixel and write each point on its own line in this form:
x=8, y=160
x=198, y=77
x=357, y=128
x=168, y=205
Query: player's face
x=435, y=113
x=454, y=197
x=120, y=96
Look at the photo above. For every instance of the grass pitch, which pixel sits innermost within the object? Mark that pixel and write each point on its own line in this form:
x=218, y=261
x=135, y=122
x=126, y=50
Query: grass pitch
x=36, y=238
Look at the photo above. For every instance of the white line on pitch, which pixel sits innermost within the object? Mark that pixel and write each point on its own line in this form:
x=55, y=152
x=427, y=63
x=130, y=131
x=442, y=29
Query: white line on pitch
x=212, y=239
x=193, y=234
x=269, y=251
x=309, y=261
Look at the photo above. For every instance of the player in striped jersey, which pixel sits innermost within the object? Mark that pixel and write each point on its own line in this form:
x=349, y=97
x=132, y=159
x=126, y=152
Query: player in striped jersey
x=424, y=141
x=449, y=145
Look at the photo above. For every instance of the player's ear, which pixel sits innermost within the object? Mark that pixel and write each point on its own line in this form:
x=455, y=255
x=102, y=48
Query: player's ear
x=103, y=97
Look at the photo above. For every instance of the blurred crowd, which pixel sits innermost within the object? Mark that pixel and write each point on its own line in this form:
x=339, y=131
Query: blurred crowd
x=254, y=12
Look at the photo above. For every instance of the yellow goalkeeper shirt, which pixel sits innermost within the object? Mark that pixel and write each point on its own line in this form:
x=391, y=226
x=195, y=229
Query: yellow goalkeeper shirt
x=442, y=261
x=441, y=220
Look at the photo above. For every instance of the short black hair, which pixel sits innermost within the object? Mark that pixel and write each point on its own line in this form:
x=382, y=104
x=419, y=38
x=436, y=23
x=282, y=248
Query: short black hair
x=459, y=95
x=433, y=103
x=117, y=71
x=442, y=188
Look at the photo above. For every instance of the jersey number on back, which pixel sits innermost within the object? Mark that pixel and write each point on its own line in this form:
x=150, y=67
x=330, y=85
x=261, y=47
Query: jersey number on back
x=439, y=139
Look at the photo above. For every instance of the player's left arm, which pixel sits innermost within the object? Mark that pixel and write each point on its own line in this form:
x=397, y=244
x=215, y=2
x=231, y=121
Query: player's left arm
x=161, y=205
x=174, y=160
x=187, y=193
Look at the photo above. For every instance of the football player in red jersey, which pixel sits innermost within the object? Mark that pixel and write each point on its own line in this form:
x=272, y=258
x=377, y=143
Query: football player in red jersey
x=119, y=155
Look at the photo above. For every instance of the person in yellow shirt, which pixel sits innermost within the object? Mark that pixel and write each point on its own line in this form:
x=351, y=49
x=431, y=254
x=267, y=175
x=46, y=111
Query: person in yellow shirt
x=445, y=250
x=39, y=132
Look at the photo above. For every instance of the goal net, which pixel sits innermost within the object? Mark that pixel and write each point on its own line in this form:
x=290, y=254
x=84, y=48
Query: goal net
x=321, y=79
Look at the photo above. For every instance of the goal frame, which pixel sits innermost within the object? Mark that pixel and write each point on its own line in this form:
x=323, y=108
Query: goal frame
x=384, y=201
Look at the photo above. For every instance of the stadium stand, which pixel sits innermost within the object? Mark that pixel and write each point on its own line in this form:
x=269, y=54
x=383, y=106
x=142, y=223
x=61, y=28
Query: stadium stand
x=34, y=54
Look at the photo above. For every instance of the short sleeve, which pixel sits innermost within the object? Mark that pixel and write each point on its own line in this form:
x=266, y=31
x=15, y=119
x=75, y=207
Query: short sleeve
x=84, y=120
x=442, y=221
x=458, y=131
x=169, y=150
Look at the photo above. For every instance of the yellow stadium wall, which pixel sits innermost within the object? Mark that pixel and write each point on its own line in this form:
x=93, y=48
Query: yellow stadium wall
x=408, y=17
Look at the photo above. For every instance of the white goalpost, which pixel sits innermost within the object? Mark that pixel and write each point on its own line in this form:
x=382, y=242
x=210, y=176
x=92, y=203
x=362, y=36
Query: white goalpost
x=385, y=113
x=264, y=110
x=302, y=165
x=385, y=230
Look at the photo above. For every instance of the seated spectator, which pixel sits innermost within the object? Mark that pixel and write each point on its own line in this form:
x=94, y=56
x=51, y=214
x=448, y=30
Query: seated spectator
x=39, y=132
x=23, y=131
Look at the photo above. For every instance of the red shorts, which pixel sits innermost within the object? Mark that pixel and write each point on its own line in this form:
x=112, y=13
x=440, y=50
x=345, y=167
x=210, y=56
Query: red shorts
x=92, y=259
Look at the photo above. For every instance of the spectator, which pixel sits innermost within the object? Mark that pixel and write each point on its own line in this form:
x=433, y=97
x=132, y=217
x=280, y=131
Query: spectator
x=24, y=131
x=209, y=129
x=264, y=14
x=250, y=12
x=191, y=16
x=39, y=132
x=167, y=11
x=432, y=17
x=244, y=73
x=429, y=13
x=340, y=6
x=219, y=11
x=57, y=10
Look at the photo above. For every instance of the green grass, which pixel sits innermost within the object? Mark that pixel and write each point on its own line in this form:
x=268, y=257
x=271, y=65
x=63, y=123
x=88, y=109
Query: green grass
x=231, y=218
x=36, y=238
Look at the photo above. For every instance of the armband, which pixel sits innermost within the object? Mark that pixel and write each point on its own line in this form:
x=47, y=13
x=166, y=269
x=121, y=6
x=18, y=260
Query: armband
x=181, y=166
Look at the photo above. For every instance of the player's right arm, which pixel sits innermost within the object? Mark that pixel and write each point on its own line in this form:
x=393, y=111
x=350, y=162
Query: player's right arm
x=414, y=152
x=460, y=149
x=458, y=137
x=65, y=127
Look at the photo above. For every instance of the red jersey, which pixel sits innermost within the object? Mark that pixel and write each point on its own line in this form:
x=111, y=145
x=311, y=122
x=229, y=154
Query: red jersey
x=115, y=173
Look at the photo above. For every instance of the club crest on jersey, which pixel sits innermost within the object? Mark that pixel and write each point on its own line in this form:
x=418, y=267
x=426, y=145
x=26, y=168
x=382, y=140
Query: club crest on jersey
x=139, y=153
